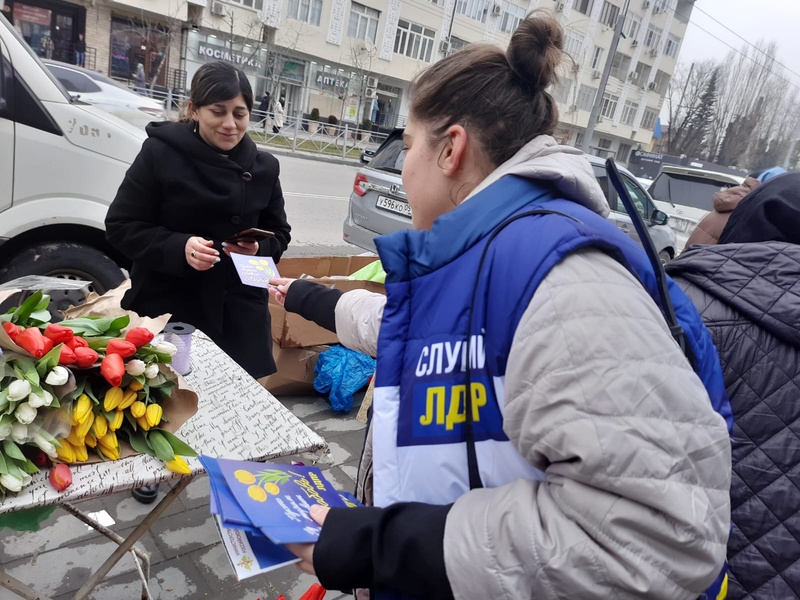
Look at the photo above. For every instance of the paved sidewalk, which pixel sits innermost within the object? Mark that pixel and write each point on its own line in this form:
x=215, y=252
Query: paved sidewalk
x=187, y=560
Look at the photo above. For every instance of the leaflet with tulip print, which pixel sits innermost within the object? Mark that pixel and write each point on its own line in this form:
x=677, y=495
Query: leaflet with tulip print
x=274, y=498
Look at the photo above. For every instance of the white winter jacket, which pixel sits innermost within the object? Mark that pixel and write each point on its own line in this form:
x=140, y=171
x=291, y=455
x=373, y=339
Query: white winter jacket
x=592, y=374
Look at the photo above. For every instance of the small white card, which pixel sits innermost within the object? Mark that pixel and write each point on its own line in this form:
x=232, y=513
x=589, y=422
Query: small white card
x=255, y=270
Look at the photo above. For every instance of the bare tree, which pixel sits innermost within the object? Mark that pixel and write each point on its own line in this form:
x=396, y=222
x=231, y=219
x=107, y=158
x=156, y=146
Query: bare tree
x=362, y=55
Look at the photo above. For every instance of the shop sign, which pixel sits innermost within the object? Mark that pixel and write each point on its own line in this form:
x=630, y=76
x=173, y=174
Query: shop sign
x=222, y=53
x=332, y=83
x=31, y=14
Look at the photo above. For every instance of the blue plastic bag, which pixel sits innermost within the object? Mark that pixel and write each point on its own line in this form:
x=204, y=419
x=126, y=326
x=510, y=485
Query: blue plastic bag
x=342, y=372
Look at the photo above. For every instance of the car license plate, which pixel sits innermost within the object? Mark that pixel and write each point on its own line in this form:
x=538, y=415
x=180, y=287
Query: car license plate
x=395, y=206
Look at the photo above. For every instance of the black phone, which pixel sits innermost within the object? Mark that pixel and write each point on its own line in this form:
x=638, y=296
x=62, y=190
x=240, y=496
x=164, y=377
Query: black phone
x=250, y=235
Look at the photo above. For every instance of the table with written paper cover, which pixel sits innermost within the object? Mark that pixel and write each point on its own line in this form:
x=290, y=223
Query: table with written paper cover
x=236, y=418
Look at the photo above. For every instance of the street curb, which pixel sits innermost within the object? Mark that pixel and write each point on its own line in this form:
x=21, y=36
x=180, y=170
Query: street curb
x=309, y=156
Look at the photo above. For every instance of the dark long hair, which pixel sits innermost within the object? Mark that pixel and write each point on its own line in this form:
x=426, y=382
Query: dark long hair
x=218, y=81
x=500, y=97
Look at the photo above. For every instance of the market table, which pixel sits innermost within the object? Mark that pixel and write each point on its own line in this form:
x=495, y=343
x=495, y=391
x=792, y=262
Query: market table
x=236, y=418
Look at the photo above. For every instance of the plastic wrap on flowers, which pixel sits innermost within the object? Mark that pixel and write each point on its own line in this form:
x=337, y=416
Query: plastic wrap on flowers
x=342, y=372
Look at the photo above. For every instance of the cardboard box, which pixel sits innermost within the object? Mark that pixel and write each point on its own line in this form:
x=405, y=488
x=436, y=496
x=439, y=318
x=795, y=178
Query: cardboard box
x=295, y=376
x=290, y=330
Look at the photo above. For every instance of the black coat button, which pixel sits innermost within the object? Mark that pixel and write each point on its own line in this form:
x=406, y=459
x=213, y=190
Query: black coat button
x=247, y=176
x=236, y=219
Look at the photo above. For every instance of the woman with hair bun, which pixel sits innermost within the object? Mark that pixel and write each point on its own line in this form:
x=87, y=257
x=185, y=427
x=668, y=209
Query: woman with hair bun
x=589, y=459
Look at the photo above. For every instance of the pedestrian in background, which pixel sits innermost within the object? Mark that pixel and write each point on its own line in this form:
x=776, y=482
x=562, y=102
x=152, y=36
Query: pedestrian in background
x=747, y=288
x=537, y=431
x=140, y=80
x=80, y=51
x=263, y=108
x=277, y=117
x=710, y=227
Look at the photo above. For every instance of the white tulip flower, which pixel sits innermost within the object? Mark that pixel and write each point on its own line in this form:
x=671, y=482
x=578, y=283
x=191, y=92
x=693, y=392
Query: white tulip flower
x=58, y=376
x=25, y=413
x=19, y=390
x=135, y=367
x=19, y=433
x=151, y=371
x=45, y=445
x=166, y=348
x=37, y=401
x=5, y=431
x=11, y=483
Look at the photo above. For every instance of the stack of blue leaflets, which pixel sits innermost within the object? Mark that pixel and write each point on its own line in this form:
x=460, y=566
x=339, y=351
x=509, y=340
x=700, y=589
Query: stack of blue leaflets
x=259, y=507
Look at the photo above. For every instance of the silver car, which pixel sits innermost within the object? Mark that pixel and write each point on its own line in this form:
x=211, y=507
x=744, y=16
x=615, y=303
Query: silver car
x=378, y=203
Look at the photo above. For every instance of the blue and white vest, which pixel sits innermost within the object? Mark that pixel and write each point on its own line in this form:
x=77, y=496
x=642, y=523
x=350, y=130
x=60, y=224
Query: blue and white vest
x=418, y=412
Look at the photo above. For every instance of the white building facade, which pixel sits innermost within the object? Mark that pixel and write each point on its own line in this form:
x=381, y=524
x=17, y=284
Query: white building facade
x=354, y=59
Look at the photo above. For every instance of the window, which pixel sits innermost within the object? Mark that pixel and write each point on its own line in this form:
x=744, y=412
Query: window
x=414, y=41
x=609, y=14
x=457, y=43
x=649, y=118
x=638, y=196
x=609, y=106
x=257, y=4
x=672, y=45
x=75, y=82
x=603, y=149
x=583, y=6
x=632, y=25
x=597, y=57
x=473, y=9
x=573, y=46
x=661, y=81
x=512, y=17
x=579, y=140
x=133, y=43
x=363, y=22
x=620, y=66
x=437, y=2
x=629, y=110
x=653, y=36
x=662, y=6
x=308, y=11
x=623, y=154
x=561, y=90
x=586, y=97
x=641, y=74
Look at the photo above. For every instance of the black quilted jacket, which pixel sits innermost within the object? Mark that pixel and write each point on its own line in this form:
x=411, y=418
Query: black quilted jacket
x=749, y=297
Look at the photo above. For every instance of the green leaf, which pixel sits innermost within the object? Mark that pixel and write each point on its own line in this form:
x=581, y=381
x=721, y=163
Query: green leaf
x=14, y=470
x=178, y=445
x=45, y=364
x=139, y=443
x=20, y=316
x=29, y=467
x=96, y=326
x=44, y=303
x=3, y=465
x=12, y=450
x=40, y=316
x=98, y=342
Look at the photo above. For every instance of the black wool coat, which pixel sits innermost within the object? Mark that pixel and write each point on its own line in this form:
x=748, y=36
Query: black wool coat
x=749, y=298
x=179, y=187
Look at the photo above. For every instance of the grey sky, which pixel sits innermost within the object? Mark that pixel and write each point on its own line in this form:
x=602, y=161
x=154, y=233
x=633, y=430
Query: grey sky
x=777, y=20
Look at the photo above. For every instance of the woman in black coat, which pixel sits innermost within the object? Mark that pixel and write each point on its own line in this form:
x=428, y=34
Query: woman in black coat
x=195, y=184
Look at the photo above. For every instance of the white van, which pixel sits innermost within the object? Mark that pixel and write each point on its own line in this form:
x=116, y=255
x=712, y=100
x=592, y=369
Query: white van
x=686, y=194
x=61, y=162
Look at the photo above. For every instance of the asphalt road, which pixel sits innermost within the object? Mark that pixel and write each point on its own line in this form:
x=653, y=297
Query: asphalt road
x=316, y=196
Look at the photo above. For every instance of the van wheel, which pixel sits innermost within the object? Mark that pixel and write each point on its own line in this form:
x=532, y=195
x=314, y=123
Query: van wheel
x=65, y=260
x=664, y=256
